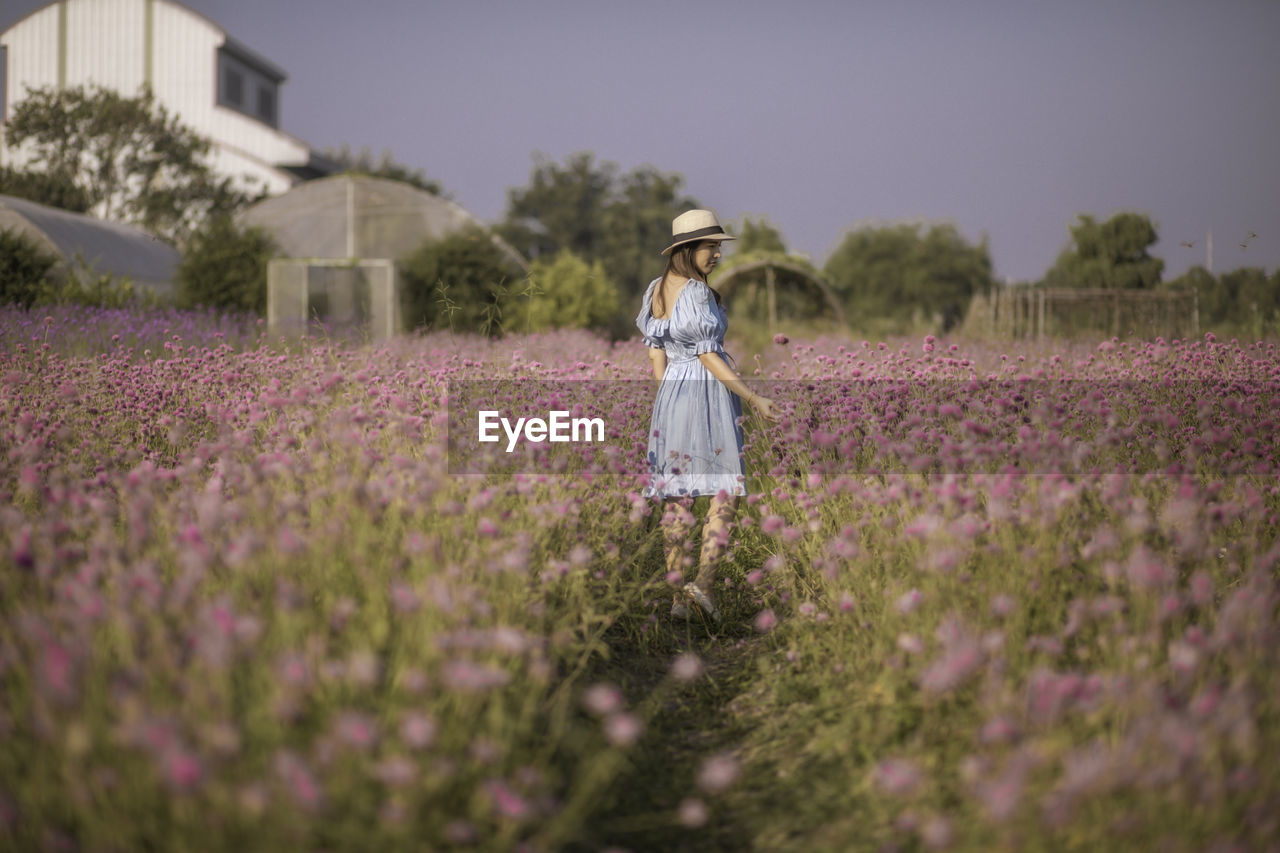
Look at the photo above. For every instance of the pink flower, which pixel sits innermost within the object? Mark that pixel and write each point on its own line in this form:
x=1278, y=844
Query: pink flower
x=897, y=776
x=468, y=676
x=997, y=730
x=302, y=785
x=1000, y=796
x=602, y=699
x=182, y=769
x=909, y=601
x=959, y=661
x=403, y=598
x=507, y=802
x=356, y=729
x=1001, y=605
x=765, y=621
x=937, y=833
x=1201, y=588
x=417, y=730
x=395, y=771
x=687, y=667
x=622, y=729
x=57, y=671
x=692, y=813
x=781, y=339
x=717, y=773
x=911, y=644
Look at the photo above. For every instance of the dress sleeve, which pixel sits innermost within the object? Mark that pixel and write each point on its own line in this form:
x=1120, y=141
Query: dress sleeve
x=700, y=324
x=651, y=329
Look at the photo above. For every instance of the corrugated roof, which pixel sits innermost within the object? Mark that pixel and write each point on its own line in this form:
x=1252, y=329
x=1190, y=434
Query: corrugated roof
x=107, y=247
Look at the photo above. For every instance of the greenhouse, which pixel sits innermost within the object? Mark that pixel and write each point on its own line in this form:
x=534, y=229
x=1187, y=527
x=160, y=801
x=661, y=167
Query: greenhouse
x=356, y=216
x=340, y=238
x=92, y=247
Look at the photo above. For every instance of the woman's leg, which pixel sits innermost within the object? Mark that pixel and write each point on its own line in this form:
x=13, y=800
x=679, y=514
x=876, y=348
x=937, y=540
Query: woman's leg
x=677, y=524
x=715, y=538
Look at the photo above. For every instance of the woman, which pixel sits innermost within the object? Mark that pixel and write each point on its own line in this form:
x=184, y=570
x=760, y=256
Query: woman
x=695, y=439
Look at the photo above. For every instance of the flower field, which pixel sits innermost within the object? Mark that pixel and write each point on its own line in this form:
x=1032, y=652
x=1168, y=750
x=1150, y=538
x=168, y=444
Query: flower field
x=982, y=596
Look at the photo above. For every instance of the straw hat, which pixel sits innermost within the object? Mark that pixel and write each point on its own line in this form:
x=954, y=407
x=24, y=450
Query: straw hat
x=694, y=225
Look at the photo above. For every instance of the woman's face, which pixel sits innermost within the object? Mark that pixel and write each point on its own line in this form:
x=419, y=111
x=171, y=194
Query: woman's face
x=706, y=256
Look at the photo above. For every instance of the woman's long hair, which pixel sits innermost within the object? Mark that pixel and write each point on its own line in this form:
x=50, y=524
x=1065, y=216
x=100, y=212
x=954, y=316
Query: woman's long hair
x=680, y=264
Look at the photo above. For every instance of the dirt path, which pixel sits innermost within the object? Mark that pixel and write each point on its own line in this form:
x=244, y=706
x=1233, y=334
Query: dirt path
x=688, y=723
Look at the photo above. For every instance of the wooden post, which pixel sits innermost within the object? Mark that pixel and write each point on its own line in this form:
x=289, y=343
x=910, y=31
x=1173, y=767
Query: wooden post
x=1040, y=296
x=773, y=300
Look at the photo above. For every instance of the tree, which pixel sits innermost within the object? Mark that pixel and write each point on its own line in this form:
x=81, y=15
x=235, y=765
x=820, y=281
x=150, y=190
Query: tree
x=620, y=220
x=757, y=236
x=1111, y=254
x=896, y=273
x=24, y=269
x=53, y=190
x=564, y=291
x=1241, y=300
x=134, y=161
x=362, y=163
x=460, y=282
x=226, y=267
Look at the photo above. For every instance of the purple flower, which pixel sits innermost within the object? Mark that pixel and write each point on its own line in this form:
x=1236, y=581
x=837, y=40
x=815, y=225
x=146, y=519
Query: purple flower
x=765, y=621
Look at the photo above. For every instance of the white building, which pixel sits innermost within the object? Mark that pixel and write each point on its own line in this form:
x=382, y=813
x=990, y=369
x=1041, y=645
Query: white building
x=213, y=84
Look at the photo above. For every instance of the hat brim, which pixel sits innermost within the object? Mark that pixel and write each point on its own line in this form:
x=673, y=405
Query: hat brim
x=717, y=238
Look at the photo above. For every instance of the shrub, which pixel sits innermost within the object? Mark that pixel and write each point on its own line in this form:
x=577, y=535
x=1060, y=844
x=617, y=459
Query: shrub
x=58, y=191
x=85, y=286
x=24, y=268
x=564, y=291
x=226, y=267
x=460, y=282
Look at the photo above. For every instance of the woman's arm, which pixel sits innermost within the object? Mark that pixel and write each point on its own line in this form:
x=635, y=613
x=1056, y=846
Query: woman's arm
x=659, y=358
x=720, y=370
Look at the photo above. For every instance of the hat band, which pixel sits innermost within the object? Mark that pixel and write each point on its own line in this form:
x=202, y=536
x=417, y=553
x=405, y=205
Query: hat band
x=701, y=232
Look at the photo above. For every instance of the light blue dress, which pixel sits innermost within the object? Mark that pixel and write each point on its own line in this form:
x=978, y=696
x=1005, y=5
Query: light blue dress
x=695, y=435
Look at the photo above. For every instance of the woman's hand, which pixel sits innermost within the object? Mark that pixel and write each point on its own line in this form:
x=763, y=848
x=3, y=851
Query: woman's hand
x=764, y=406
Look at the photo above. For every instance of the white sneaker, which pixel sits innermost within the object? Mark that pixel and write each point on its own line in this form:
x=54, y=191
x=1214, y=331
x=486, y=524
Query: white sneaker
x=703, y=601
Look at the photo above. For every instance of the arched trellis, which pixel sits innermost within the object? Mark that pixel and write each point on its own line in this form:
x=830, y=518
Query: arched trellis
x=730, y=279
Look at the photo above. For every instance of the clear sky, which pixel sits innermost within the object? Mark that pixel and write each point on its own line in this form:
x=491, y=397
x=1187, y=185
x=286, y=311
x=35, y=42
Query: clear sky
x=1005, y=117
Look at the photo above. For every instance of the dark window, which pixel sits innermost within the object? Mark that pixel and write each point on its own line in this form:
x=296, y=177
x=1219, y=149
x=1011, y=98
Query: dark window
x=233, y=87
x=247, y=87
x=267, y=105
x=4, y=81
